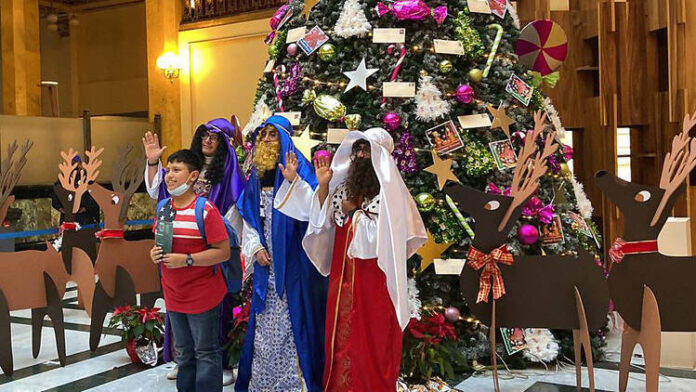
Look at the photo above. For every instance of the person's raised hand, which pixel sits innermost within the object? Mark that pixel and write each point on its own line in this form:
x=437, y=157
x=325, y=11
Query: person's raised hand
x=153, y=151
x=290, y=169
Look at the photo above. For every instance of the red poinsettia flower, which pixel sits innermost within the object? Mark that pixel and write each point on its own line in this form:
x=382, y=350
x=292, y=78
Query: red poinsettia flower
x=123, y=309
x=432, y=329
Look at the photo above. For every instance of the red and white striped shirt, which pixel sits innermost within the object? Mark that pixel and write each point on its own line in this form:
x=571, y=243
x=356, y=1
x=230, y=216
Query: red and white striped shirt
x=194, y=289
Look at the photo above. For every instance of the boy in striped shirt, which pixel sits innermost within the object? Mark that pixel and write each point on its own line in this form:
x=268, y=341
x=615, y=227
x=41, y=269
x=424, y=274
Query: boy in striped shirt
x=193, y=288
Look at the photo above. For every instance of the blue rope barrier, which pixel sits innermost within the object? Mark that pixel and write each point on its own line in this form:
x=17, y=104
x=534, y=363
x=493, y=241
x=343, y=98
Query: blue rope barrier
x=31, y=233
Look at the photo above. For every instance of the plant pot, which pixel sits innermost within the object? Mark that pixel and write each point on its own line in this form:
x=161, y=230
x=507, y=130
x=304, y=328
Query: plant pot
x=130, y=349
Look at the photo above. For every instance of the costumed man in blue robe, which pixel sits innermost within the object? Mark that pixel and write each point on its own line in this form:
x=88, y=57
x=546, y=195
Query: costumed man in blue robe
x=283, y=347
x=221, y=181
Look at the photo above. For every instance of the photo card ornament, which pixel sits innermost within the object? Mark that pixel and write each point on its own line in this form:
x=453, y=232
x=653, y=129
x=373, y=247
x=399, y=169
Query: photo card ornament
x=519, y=89
x=313, y=40
x=444, y=138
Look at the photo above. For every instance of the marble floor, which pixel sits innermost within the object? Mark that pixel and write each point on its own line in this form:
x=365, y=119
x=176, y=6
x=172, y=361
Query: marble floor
x=109, y=368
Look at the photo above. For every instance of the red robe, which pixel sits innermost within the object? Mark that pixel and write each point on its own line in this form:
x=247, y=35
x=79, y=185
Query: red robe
x=363, y=337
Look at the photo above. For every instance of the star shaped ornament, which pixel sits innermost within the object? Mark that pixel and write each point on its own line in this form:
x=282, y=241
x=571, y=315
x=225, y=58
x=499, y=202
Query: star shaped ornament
x=442, y=168
x=501, y=119
x=305, y=143
x=430, y=251
x=359, y=76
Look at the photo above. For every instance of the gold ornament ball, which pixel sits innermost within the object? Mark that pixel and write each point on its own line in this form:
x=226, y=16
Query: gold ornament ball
x=445, y=66
x=475, y=75
x=425, y=202
x=423, y=72
x=565, y=170
x=327, y=52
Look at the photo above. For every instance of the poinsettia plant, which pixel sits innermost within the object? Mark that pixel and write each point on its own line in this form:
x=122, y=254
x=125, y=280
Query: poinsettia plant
x=240, y=316
x=137, y=323
x=430, y=349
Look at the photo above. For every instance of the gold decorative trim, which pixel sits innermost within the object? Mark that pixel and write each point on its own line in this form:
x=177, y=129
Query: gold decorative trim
x=287, y=195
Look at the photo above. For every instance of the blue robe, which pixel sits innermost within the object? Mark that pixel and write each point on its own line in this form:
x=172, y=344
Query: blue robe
x=295, y=275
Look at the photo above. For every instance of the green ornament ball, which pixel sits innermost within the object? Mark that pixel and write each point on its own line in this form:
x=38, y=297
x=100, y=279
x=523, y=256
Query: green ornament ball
x=445, y=66
x=425, y=202
x=475, y=75
x=327, y=52
x=273, y=51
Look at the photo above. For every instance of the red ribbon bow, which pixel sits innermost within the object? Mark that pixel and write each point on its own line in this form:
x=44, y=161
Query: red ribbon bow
x=489, y=263
x=622, y=248
x=110, y=233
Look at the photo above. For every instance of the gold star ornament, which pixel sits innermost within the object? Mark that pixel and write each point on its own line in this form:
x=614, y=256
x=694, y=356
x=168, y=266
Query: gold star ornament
x=442, y=168
x=305, y=143
x=501, y=119
x=430, y=251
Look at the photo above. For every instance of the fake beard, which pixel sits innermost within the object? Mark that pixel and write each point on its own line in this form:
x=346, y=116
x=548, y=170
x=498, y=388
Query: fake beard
x=266, y=156
x=362, y=179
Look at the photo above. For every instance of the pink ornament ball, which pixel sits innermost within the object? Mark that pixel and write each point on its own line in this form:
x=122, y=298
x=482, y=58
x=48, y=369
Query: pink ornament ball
x=528, y=234
x=452, y=314
x=292, y=49
x=322, y=154
x=464, y=93
x=391, y=121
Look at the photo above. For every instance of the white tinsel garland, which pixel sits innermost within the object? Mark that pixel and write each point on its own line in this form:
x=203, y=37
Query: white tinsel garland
x=584, y=204
x=414, y=302
x=541, y=345
x=429, y=103
x=352, y=22
x=513, y=15
x=261, y=113
x=554, y=117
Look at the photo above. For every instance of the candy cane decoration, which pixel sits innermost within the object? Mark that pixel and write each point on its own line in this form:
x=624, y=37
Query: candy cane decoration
x=276, y=82
x=397, y=67
x=459, y=216
x=494, y=49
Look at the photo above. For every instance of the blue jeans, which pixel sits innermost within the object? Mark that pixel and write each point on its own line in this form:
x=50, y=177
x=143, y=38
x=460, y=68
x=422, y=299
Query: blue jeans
x=198, y=351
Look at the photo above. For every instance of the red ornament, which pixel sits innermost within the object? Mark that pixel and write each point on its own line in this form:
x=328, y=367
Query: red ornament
x=391, y=121
x=322, y=154
x=452, y=314
x=464, y=93
x=528, y=234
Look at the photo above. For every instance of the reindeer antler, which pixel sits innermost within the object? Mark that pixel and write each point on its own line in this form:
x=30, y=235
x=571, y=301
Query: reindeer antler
x=12, y=169
x=531, y=166
x=678, y=163
x=127, y=174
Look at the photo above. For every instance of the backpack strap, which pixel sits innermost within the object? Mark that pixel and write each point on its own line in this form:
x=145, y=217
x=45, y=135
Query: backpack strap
x=200, y=214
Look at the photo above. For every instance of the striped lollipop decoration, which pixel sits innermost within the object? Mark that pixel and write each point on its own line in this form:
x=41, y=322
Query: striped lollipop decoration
x=542, y=46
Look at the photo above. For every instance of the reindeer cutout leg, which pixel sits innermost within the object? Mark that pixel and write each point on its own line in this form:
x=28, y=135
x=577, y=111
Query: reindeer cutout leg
x=6, y=362
x=54, y=309
x=124, y=294
x=629, y=339
x=37, y=318
x=494, y=352
x=581, y=339
x=651, y=339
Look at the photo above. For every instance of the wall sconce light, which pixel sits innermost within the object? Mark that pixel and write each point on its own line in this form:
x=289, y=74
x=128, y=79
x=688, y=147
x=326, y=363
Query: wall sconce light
x=170, y=64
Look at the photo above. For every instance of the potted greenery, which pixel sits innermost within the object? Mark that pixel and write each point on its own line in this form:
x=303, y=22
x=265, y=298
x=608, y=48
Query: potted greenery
x=142, y=331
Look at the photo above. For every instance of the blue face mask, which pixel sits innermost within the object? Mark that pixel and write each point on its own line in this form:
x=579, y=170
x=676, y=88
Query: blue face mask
x=180, y=190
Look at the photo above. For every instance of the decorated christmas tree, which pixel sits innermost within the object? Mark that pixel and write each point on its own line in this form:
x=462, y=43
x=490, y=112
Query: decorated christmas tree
x=445, y=78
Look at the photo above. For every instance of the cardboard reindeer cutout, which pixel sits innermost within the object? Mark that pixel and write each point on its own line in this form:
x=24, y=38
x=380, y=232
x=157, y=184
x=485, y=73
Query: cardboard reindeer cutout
x=124, y=267
x=652, y=292
x=30, y=279
x=563, y=292
x=79, y=245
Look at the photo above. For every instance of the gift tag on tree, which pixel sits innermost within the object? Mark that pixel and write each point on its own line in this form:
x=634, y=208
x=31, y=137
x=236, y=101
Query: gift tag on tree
x=296, y=34
x=388, y=36
x=479, y=6
x=399, y=89
x=269, y=66
x=519, y=89
x=312, y=40
x=449, y=266
x=448, y=47
x=336, y=135
x=480, y=120
x=498, y=7
x=294, y=117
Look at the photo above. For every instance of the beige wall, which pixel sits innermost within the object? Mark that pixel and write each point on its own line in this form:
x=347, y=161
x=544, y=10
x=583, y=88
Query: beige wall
x=102, y=65
x=222, y=68
x=112, y=60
